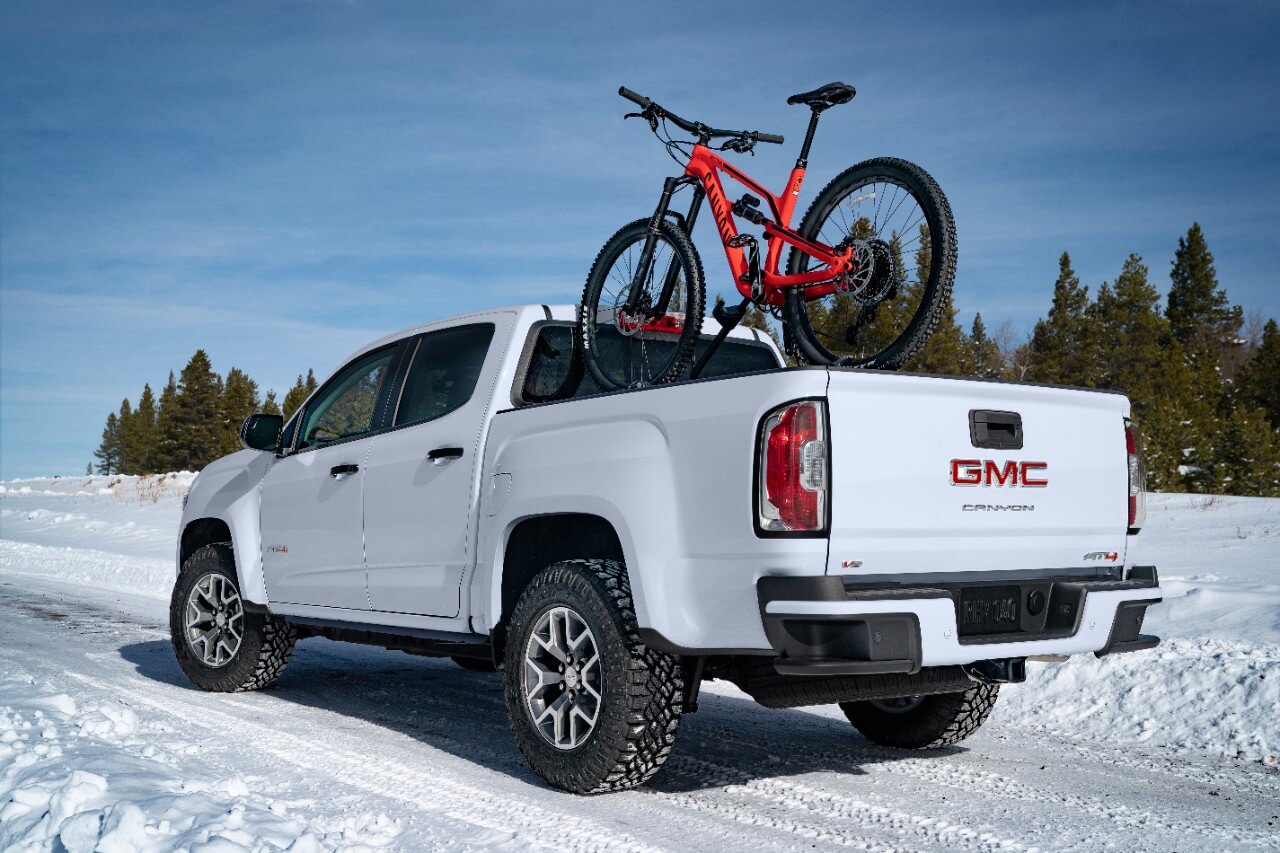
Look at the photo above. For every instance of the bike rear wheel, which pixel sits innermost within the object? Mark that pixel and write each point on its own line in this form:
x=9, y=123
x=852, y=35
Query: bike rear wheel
x=904, y=236
x=624, y=351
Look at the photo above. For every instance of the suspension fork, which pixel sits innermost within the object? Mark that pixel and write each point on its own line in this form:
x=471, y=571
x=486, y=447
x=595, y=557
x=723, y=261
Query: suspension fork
x=669, y=281
x=669, y=187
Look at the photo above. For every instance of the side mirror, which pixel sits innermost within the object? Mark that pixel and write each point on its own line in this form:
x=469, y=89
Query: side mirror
x=261, y=432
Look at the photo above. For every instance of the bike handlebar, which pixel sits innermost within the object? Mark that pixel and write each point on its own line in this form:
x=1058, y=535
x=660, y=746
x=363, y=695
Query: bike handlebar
x=635, y=97
x=695, y=127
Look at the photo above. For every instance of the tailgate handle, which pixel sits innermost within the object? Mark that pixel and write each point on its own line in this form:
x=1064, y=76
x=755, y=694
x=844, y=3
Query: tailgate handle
x=995, y=430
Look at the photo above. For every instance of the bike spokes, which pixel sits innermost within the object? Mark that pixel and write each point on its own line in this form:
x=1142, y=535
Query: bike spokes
x=877, y=306
x=641, y=321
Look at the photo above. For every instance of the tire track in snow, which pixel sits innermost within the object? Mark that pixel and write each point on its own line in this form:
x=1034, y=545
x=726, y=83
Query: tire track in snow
x=942, y=771
x=835, y=805
x=433, y=791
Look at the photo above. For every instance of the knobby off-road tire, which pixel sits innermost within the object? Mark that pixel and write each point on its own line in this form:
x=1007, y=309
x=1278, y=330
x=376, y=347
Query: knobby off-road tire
x=645, y=357
x=642, y=689
x=936, y=290
x=266, y=643
x=931, y=723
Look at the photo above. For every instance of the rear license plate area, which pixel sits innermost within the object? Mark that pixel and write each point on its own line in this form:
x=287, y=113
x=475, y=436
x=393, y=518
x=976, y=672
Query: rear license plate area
x=989, y=610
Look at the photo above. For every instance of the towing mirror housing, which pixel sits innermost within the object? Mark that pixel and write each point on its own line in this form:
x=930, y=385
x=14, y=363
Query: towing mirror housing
x=261, y=432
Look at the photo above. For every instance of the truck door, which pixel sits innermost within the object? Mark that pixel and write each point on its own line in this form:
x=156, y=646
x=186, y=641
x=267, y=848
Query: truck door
x=420, y=475
x=313, y=499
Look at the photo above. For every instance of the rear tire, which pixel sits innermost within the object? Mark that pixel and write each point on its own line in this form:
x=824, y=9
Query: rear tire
x=923, y=722
x=265, y=642
x=640, y=690
x=640, y=356
x=817, y=337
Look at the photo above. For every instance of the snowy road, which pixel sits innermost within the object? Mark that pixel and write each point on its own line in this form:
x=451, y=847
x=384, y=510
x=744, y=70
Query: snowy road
x=102, y=741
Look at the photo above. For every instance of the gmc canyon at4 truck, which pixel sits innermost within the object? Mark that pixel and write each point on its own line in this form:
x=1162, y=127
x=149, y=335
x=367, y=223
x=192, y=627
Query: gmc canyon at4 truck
x=897, y=544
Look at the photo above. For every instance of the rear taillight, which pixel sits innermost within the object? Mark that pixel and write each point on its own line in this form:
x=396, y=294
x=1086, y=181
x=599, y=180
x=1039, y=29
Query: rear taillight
x=1137, y=476
x=792, y=481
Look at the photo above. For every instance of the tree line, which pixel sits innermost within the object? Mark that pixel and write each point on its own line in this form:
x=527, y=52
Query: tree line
x=1203, y=379
x=196, y=420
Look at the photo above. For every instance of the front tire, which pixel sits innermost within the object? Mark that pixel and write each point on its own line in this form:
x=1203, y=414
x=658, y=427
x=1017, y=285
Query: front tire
x=627, y=352
x=603, y=720
x=221, y=645
x=923, y=722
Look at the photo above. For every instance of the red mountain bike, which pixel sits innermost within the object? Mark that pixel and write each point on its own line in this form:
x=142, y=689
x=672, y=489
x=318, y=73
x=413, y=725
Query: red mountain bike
x=869, y=270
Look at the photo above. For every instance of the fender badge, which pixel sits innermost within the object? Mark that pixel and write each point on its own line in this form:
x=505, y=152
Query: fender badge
x=277, y=549
x=850, y=564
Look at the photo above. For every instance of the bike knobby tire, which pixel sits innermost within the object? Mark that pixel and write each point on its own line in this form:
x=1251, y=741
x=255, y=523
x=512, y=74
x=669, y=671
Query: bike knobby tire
x=620, y=354
x=933, y=290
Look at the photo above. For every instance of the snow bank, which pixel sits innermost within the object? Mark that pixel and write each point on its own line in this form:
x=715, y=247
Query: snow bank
x=88, y=779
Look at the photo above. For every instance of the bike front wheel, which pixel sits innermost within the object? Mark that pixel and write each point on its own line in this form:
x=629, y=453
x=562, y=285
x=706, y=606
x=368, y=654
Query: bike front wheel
x=904, y=238
x=654, y=343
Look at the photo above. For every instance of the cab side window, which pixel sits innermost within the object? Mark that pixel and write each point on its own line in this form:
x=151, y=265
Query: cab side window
x=344, y=407
x=443, y=376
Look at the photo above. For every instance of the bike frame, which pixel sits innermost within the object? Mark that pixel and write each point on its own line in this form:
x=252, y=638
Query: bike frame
x=704, y=168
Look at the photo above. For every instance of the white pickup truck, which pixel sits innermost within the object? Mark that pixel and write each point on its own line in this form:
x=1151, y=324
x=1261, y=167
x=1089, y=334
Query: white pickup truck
x=897, y=544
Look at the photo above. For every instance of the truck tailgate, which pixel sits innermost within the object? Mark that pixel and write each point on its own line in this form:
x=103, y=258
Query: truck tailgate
x=899, y=443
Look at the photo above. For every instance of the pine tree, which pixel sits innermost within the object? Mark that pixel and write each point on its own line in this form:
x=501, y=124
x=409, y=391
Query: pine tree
x=167, y=437
x=947, y=351
x=1258, y=382
x=197, y=415
x=108, y=452
x=1247, y=461
x=1202, y=319
x=299, y=393
x=984, y=352
x=239, y=401
x=142, y=433
x=1061, y=348
x=129, y=462
x=1136, y=353
x=269, y=404
x=137, y=435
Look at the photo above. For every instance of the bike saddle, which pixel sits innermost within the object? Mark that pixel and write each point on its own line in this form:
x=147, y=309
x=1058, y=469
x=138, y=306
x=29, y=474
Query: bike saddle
x=826, y=96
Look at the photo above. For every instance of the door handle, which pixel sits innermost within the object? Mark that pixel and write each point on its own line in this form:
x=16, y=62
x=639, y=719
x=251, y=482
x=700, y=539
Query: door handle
x=444, y=454
x=340, y=471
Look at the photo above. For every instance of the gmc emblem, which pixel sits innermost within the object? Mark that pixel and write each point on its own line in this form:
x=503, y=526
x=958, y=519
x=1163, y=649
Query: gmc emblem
x=988, y=472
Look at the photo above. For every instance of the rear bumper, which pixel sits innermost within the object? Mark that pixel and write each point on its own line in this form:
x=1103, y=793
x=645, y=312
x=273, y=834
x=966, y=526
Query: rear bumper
x=828, y=625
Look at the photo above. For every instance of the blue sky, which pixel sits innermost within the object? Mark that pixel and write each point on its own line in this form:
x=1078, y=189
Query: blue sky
x=280, y=182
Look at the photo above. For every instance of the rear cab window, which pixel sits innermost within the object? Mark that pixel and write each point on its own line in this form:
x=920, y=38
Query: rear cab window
x=552, y=375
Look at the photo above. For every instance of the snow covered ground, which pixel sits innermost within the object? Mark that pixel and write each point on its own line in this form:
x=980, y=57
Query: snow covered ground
x=104, y=745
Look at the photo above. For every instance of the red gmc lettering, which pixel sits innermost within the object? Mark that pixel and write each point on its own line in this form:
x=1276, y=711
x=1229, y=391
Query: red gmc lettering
x=989, y=472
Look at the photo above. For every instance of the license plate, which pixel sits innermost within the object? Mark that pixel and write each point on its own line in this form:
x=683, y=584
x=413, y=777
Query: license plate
x=989, y=610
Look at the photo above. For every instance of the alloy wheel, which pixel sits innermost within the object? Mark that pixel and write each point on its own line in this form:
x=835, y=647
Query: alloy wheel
x=214, y=620
x=563, y=679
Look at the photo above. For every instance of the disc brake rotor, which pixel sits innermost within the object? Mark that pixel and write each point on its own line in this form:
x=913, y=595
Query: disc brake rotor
x=874, y=274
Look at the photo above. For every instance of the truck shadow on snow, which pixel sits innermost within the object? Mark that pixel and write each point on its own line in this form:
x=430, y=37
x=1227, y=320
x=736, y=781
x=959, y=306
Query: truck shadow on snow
x=729, y=741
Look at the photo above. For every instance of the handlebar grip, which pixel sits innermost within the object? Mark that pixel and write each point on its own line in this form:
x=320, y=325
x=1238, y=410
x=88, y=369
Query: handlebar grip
x=775, y=138
x=635, y=97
